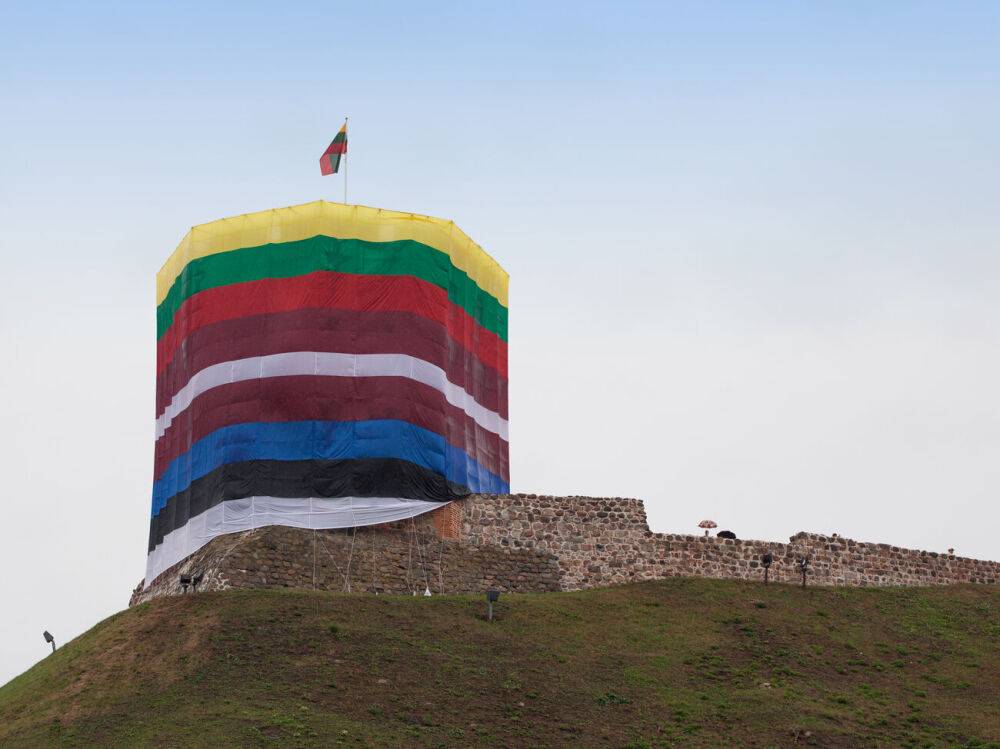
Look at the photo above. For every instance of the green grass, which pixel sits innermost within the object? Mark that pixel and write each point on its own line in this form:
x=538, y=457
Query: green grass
x=686, y=663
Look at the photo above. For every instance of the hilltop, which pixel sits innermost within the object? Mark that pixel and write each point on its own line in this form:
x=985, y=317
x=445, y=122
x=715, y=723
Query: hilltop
x=681, y=662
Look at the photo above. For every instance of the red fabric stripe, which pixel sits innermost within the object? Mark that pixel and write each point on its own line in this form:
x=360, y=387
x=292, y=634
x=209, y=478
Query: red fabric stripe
x=329, y=290
x=301, y=398
x=336, y=148
x=336, y=331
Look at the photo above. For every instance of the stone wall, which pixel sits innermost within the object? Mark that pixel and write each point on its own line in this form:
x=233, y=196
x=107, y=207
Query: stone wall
x=606, y=541
x=595, y=540
x=532, y=543
x=405, y=558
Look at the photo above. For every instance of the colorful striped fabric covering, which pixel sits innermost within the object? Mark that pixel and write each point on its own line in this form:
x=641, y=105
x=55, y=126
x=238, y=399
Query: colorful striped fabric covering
x=324, y=366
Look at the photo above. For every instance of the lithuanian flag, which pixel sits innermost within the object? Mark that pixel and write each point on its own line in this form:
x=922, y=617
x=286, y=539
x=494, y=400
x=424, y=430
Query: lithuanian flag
x=329, y=162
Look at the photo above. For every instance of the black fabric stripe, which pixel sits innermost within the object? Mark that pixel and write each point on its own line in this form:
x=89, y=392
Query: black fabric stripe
x=369, y=477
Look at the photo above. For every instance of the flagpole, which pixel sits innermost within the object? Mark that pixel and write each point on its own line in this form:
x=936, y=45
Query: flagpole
x=346, y=135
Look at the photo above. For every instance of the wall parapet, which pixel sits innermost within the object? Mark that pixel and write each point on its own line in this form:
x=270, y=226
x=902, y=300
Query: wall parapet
x=607, y=540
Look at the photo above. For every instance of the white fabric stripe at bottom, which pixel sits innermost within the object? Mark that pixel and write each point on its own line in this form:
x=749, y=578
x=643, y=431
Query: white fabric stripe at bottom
x=237, y=515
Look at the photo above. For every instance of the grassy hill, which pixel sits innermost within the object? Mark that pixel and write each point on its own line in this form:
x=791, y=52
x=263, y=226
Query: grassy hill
x=698, y=663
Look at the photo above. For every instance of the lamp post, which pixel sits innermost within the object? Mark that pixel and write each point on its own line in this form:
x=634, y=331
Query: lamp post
x=50, y=639
x=766, y=560
x=803, y=568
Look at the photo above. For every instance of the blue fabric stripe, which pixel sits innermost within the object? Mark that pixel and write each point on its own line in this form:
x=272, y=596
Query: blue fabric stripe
x=324, y=440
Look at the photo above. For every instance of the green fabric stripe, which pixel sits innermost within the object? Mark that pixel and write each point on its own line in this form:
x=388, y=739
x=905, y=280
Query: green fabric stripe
x=289, y=259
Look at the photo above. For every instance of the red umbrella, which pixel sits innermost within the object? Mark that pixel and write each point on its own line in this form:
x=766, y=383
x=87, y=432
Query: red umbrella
x=706, y=524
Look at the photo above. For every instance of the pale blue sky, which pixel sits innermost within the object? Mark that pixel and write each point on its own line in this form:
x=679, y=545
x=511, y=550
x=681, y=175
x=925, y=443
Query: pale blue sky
x=754, y=248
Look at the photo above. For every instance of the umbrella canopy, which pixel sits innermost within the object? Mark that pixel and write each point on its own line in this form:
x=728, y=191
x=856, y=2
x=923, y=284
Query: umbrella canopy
x=707, y=524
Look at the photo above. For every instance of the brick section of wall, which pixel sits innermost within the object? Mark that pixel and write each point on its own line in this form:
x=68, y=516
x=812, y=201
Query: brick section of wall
x=448, y=520
x=533, y=543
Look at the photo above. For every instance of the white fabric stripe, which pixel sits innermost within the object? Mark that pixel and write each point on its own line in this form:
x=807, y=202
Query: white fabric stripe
x=237, y=515
x=331, y=365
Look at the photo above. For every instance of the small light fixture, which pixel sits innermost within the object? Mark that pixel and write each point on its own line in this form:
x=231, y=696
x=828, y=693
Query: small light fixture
x=492, y=596
x=50, y=639
x=766, y=561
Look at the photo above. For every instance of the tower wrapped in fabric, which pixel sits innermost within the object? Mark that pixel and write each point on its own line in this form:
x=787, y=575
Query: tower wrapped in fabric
x=324, y=366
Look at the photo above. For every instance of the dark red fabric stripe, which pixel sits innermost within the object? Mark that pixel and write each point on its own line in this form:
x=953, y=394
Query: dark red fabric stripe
x=335, y=331
x=329, y=290
x=336, y=148
x=276, y=399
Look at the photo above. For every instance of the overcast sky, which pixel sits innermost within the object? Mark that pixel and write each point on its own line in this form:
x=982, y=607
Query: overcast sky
x=754, y=249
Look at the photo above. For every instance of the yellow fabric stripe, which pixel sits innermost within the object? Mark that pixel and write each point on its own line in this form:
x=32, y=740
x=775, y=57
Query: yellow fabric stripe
x=334, y=220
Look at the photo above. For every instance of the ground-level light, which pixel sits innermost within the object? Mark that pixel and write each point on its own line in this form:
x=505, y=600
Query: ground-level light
x=492, y=596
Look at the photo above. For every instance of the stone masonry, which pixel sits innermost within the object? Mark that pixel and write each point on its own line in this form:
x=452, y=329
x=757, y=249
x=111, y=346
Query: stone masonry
x=533, y=543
